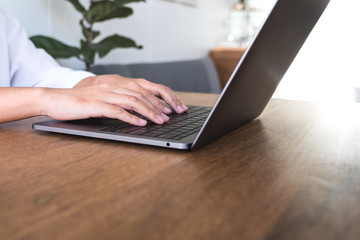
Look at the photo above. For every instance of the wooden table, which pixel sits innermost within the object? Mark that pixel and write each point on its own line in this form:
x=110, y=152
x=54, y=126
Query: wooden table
x=294, y=173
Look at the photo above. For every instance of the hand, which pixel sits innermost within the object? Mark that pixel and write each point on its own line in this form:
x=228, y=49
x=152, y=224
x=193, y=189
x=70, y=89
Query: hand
x=115, y=97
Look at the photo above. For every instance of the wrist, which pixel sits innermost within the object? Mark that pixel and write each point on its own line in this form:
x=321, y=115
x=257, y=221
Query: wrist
x=43, y=100
x=86, y=82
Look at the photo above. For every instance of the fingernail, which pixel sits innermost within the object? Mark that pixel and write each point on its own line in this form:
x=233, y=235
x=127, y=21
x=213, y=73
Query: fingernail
x=160, y=118
x=184, y=107
x=180, y=109
x=167, y=110
x=166, y=118
x=142, y=121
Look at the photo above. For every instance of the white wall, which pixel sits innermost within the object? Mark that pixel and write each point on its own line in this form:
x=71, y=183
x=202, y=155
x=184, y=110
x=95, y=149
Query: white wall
x=167, y=31
x=35, y=15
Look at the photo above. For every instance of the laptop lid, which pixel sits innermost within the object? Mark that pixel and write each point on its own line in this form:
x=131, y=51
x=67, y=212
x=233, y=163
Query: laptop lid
x=248, y=90
x=262, y=66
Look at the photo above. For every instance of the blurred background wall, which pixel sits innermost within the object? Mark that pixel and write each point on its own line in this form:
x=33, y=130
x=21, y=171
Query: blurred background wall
x=167, y=31
x=326, y=69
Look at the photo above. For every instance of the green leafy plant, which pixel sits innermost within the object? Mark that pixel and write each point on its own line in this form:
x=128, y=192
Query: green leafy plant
x=98, y=11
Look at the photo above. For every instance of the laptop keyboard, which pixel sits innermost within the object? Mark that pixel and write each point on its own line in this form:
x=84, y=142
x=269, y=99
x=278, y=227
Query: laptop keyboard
x=178, y=127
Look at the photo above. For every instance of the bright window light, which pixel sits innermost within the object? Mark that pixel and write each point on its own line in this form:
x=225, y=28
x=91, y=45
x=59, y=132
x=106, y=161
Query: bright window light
x=327, y=69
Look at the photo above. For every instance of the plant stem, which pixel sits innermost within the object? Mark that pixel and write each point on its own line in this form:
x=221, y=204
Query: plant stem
x=89, y=38
x=88, y=67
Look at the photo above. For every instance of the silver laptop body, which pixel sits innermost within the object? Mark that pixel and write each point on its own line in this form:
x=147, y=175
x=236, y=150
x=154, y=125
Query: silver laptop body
x=245, y=96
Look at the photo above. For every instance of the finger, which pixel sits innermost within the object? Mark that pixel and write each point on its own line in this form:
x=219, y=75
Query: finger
x=116, y=112
x=132, y=103
x=166, y=94
x=146, y=96
x=156, y=102
x=139, y=95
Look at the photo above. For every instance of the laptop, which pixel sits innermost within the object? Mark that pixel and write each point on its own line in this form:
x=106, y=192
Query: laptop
x=246, y=94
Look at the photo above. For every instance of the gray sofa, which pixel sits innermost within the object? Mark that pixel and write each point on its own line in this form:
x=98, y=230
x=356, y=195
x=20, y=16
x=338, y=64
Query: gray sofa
x=190, y=76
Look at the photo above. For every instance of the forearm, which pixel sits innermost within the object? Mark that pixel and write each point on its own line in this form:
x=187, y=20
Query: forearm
x=19, y=103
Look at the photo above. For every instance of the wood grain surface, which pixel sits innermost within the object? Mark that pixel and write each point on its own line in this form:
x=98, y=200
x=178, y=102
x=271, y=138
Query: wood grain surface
x=293, y=173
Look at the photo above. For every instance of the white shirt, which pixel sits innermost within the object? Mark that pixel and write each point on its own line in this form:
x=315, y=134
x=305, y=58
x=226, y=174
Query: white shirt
x=23, y=65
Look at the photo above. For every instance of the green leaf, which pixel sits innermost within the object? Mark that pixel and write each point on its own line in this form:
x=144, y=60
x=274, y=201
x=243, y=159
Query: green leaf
x=96, y=34
x=123, y=2
x=77, y=5
x=105, y=10
x=54, y=47
x=112, y=42
x=87, y=52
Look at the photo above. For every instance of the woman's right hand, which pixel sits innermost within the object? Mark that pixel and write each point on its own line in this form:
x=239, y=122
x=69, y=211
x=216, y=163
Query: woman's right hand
x=112, y=96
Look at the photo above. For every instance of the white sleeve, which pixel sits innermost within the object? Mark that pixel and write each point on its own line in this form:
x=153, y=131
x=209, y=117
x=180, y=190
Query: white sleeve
x=32, y=67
